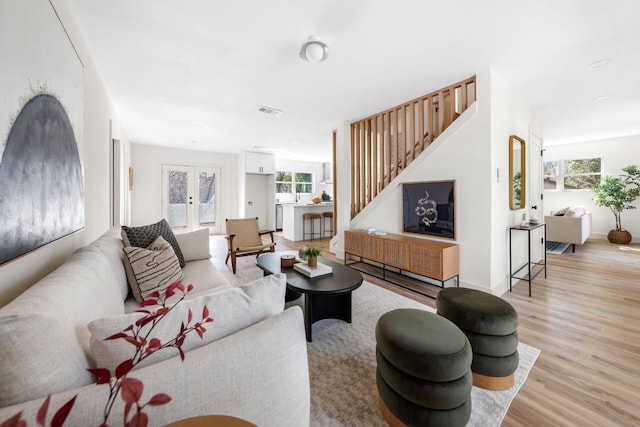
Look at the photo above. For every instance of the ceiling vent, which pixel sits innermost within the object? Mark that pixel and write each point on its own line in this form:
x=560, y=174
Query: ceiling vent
x=270, y=111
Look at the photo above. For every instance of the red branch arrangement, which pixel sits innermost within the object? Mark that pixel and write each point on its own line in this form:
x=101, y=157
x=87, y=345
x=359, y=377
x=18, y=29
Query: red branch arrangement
x=130, y=389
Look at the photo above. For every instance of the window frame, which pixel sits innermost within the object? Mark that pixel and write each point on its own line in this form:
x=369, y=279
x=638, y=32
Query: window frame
x=294, y=183
x=561, y=176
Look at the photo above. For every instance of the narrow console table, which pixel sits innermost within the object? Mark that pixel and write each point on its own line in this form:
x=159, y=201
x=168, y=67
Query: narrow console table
x=428, y=258
x=532, y=268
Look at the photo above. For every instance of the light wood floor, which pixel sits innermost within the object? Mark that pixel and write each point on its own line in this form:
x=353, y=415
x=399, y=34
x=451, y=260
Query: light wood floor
x=585, y=319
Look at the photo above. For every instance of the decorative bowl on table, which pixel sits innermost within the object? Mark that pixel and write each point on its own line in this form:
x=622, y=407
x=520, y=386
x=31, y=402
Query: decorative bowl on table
x=317, y=200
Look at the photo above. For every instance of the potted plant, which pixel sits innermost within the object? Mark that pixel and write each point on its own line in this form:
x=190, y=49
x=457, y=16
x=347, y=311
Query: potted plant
x=619, y=193
x=312, y=256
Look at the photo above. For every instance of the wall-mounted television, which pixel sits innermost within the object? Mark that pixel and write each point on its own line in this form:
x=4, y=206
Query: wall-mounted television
x=429, y=208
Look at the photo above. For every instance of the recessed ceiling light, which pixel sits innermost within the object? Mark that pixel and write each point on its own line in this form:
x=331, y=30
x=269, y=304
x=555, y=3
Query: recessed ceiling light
x=206, y=127
x=601, y=98
x=295, y=142
x=599, y=64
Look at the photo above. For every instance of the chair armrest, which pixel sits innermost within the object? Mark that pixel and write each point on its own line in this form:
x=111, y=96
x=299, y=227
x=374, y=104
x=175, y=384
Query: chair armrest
x=230, y=237
x=269, y=232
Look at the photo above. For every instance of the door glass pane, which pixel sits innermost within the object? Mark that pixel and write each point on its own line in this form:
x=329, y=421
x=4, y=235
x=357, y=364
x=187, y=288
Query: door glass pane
x=178, y=186
x=207, y=193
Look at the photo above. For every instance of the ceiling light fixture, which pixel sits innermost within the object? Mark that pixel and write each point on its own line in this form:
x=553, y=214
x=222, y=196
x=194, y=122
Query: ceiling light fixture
x=314, y=50
x=599, y=64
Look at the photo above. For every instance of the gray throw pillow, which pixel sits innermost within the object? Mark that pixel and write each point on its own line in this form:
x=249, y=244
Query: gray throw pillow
x=143, y=236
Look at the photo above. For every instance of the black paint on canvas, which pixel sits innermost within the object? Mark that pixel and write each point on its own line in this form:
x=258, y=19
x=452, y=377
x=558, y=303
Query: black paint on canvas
x=41, y=184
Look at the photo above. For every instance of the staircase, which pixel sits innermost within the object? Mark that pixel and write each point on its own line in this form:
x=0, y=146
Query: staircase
x=384, y=144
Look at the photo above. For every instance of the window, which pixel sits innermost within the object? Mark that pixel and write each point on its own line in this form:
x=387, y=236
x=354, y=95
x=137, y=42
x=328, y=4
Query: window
x=566, y=175
x=304, y=182
x=294, y=182
x=283, y=182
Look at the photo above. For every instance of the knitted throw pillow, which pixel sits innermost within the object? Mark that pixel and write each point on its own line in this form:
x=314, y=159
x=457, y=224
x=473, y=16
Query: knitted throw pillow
x=143, y=236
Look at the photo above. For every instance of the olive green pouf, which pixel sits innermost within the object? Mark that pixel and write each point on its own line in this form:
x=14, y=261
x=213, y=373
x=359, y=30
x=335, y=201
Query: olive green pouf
x=423, y=369
x=490, y=324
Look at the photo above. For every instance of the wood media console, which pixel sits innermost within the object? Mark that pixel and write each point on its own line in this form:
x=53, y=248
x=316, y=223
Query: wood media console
x=391, y=256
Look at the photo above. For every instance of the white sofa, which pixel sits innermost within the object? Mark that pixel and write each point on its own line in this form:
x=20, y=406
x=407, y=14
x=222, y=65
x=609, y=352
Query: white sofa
x=570, y=225
x=251, y=364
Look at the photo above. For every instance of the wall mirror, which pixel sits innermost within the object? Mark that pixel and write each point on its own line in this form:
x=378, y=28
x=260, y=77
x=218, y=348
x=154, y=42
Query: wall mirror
x=517, y=173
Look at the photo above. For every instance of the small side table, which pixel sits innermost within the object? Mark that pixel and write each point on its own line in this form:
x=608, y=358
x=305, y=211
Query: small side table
x=532, y=268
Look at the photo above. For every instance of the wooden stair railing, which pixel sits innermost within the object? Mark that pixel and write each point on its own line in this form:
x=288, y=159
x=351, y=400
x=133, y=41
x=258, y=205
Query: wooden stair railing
x=379, y=147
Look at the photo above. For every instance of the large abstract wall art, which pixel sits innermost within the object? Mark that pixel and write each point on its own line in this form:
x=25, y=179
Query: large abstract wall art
x=41, y=118
x=42, y=195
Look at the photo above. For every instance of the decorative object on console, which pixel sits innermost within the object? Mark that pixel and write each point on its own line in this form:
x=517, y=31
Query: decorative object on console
x=429, y=208
x=619, y=193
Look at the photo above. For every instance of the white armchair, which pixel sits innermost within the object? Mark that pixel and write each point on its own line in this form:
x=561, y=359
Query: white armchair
x=573, y=227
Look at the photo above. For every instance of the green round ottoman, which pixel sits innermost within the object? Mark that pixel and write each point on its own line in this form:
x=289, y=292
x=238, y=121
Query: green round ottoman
x=490, y=324
x=423, y=369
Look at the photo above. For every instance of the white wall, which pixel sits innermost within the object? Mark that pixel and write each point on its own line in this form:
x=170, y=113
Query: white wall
x=147, y=161
x=510, y=115
x=19, y=274
x=615, y=153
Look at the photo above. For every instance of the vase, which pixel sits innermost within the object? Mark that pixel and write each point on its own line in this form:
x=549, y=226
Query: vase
x=312, y=261
x=619, y=236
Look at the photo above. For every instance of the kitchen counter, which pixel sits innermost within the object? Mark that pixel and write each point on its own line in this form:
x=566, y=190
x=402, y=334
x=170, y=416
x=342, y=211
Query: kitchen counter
x=292, y=217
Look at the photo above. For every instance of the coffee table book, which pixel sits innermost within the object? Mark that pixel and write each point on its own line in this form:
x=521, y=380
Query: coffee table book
x=320, y=270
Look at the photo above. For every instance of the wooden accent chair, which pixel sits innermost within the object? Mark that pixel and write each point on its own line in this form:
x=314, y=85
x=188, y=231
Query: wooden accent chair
x=245, y=238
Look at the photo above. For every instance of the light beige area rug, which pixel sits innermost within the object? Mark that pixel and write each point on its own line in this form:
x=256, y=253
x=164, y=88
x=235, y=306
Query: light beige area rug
x=342, y=367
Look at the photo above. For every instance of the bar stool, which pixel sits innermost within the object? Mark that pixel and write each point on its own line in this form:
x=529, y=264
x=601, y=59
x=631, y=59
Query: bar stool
x=328, y=215
x=311, y=217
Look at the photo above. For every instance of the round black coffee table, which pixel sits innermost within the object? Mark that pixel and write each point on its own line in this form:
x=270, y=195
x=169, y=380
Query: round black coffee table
x=325, y=297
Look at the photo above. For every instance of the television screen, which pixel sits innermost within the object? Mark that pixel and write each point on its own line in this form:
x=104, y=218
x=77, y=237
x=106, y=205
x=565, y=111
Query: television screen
x=428, y=208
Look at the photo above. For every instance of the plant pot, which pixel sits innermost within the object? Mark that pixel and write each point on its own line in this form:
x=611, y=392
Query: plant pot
x=619, y=236
x=312, y=261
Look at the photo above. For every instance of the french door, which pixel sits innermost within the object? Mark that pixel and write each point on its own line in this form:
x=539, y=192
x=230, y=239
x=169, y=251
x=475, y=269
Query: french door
x=191, y=197
x=534, y=190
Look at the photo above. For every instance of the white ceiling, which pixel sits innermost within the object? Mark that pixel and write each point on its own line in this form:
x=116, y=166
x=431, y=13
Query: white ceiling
x=193, y=73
